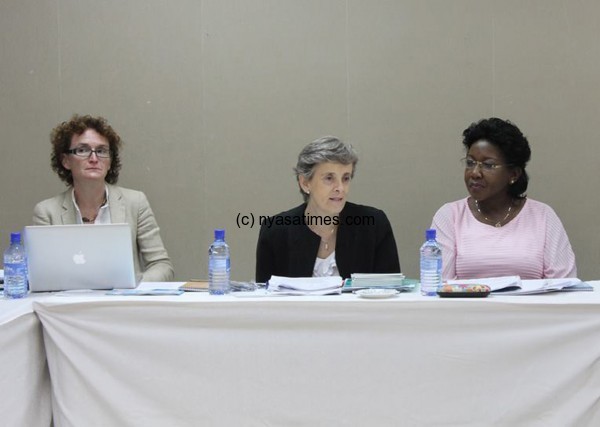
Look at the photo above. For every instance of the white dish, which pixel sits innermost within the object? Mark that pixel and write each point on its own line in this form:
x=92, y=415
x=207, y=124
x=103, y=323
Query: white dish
x=377, y=293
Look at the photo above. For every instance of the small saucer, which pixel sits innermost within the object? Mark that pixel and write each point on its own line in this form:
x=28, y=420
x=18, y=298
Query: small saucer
x=376, y=293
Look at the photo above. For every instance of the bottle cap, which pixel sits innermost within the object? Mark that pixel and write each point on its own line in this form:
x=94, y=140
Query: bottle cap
x=15, y=237
x=219, y=234
x=430, y=234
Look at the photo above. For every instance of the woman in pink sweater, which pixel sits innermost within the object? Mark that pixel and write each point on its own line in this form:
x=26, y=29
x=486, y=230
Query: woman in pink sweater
x=497, y=230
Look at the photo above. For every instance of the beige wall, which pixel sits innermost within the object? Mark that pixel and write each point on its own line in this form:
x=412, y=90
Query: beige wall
x=215, y=98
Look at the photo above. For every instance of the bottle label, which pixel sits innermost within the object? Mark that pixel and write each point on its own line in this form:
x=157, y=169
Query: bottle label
x=15, y=280
x=434, y=264
x=431, y=273
x=15, y=270
x=218, y=275
x=220, y=264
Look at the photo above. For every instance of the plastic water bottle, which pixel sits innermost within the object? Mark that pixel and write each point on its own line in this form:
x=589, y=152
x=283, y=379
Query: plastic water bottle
x=431, y=264
x=15, y=268
x=218, y=265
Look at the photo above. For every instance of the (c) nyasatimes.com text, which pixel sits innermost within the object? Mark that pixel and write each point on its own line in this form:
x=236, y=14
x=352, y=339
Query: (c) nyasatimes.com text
x=244, y=220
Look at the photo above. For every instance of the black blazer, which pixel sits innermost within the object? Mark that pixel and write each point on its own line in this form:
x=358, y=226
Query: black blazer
x=289, y=248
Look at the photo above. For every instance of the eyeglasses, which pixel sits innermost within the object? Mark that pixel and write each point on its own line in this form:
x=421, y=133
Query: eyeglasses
x=85, y=151
x=471, y=164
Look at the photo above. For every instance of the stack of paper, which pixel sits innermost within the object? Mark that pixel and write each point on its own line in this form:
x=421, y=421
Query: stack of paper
x=512, y=285
x=534, y=287
x=385, y=280
x=305, y=285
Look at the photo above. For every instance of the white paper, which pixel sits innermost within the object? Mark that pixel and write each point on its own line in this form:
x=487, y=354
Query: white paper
x=305, y=285
x=534, y=287
x=513, y=285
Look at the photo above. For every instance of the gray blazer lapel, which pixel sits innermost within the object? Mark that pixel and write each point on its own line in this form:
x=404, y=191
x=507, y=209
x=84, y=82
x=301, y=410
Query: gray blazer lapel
x=116, y=204
x=68, y=214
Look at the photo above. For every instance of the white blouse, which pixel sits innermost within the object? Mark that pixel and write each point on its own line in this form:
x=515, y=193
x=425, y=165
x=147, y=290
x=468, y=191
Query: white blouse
x=103, y=216
x=325, y=267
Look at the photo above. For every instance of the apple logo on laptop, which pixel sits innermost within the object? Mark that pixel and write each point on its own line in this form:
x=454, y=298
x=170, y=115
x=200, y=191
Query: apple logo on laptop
x=79, y=258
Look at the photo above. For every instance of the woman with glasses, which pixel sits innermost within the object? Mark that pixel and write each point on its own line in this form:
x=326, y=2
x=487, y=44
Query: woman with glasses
x=85, y=155
x=326, y=235
x=498, y=230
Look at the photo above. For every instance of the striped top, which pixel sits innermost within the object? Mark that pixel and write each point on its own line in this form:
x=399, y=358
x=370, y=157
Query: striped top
x=533, y=245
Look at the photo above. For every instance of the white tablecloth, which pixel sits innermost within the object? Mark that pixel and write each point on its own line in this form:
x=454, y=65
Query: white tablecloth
x=324, y=361
x=24, y=380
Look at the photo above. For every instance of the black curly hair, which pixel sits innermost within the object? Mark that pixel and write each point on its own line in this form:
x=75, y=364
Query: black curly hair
x=509, y=140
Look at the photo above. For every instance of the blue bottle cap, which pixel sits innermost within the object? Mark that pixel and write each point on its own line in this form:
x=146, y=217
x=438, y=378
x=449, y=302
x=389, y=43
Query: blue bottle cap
x=219, y=234
x=15, y=237
x=430, y=234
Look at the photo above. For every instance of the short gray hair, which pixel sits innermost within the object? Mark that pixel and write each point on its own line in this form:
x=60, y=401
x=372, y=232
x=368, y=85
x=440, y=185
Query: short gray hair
x=324, y=149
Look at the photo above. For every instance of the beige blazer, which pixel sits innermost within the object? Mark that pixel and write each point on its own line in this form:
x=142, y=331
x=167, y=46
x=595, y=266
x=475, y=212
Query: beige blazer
x=152, y=263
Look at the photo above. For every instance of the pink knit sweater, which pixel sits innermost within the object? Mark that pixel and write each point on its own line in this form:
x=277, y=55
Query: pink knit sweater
x=533, y=245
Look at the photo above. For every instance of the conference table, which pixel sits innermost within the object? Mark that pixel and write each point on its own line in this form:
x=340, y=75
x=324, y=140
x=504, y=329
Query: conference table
x=25, y=398
x=202, y=360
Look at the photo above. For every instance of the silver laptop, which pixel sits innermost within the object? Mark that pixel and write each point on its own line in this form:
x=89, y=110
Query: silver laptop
x=66, y=257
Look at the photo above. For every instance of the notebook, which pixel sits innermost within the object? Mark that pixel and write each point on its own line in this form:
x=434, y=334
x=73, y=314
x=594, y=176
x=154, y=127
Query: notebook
x=66, y=257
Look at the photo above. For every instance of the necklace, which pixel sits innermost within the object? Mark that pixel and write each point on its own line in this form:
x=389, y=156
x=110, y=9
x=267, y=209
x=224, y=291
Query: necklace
x=499, y=223
x=89, y=220
x=92, y=219
x=324, y=242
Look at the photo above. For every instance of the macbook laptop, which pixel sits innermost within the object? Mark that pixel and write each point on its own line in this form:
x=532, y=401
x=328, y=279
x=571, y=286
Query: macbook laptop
x=66, y=257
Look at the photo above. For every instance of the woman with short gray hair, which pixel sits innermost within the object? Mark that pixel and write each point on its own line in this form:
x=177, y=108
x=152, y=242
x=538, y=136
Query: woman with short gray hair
x=326, y=235
x=325, y=149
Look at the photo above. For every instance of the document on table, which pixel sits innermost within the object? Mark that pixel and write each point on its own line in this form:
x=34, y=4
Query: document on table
x=195, y=286
x=513, y=285
x=279, y=285
x=535, y=287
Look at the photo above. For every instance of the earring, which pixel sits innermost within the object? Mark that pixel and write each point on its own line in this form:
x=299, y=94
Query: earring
x=512, y=181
